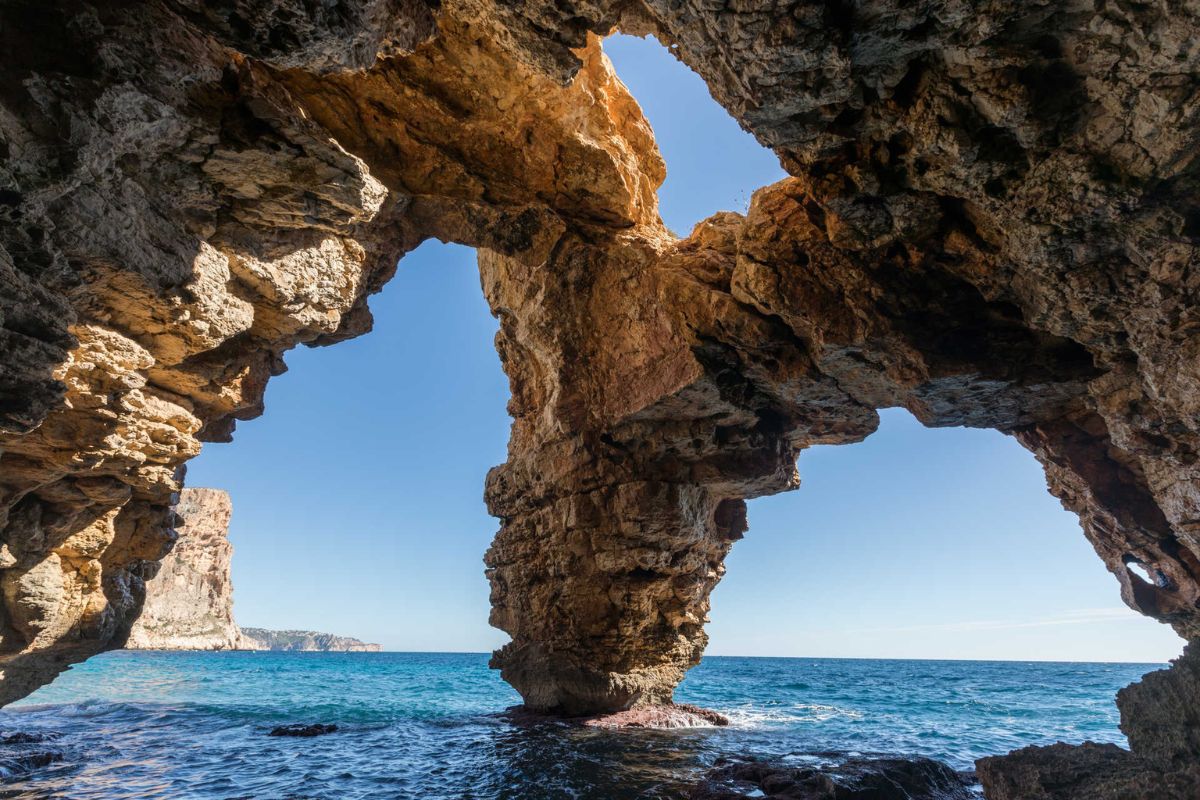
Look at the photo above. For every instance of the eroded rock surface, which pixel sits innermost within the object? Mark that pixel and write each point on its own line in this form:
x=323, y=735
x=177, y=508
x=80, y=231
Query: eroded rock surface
x=189, y=603
x=662, y=716
x=991, y=221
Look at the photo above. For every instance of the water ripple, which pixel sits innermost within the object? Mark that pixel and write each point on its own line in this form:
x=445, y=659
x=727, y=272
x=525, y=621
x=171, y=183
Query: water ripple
x=194, y=725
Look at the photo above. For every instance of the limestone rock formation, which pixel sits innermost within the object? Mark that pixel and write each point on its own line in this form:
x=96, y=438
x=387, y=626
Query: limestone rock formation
x=189, y=603
x=991, y=221
x=303, y=641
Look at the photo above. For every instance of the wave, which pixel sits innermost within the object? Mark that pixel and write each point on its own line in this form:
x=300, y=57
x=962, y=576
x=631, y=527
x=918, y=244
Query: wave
x=754, y=716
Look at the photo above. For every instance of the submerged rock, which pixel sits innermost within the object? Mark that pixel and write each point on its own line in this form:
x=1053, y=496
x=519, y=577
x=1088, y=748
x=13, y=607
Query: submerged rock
x=838, y=777
x=21, y=737
x=18, y=756
x=303, y=731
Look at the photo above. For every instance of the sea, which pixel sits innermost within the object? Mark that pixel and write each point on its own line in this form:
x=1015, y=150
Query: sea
x=433, y=725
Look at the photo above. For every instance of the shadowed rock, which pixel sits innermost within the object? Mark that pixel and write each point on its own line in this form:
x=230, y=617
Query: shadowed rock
x=303, y=731
x=991, y=220
x=838, y=778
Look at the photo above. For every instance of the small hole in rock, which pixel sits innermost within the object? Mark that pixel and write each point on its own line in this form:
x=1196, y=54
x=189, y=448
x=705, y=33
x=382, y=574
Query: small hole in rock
x=1138, y=569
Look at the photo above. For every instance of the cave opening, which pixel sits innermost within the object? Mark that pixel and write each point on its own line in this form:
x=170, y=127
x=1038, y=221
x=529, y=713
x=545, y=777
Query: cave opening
x=404, y=423
x=918, y=543
x=968, y=507
x=379, y=502
x=231, y=185
x=712, y=163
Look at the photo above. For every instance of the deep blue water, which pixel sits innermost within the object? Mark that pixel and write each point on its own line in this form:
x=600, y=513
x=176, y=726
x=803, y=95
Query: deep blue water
x=420, y=725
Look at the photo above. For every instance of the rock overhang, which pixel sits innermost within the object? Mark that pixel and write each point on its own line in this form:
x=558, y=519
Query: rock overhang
x=990, y=221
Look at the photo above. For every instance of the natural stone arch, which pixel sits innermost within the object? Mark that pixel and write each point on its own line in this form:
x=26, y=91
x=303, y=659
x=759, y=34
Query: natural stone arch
x=128, y=345
x=775, y=339
x=992, y=222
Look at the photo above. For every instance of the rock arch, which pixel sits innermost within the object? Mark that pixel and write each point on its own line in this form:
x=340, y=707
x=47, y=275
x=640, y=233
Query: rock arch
x=991, y=221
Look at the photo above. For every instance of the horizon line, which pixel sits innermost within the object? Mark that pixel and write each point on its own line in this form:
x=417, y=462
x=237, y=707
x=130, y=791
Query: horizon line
x=712, y=655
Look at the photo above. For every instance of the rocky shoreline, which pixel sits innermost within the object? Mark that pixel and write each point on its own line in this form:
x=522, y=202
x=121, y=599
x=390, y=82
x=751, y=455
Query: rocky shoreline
x=837, y=776
x=303, y=642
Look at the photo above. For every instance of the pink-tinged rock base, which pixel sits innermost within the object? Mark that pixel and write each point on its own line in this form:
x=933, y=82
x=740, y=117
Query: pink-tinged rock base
x=674, y=715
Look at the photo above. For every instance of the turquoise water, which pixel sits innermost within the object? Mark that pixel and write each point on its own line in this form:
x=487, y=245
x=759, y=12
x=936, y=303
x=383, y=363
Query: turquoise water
x=423, y=725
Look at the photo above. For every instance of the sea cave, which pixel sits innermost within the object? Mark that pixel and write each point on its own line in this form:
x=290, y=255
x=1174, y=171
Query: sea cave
x=988, y=219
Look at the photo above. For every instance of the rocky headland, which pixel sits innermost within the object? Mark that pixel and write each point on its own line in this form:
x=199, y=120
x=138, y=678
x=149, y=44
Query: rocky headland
x=189, y=603
x=991, y=220
x=303, y=641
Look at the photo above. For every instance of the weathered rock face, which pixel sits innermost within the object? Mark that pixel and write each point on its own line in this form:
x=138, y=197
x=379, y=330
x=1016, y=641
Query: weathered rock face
x=991, y=221
x=176, y=215
x=303, y=641
x=189, y=603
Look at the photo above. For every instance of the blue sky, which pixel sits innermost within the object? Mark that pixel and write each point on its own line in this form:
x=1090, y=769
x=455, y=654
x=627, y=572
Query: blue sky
x=358, y=495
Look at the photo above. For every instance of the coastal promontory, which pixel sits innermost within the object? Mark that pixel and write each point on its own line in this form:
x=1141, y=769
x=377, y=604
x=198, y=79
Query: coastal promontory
x=189, y=603
x=303, y=641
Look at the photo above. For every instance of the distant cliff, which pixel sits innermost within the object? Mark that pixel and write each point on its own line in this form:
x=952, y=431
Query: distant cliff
x=262, y=639
x=189, y=603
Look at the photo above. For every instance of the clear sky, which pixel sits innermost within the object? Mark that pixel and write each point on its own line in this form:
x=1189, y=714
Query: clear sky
x=358, y=495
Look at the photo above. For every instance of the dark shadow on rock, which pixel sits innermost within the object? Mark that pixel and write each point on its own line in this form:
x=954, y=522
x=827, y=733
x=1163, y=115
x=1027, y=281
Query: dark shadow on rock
x=1160, y=716
x=834, y=776
x=303, y=731
x=19, y=753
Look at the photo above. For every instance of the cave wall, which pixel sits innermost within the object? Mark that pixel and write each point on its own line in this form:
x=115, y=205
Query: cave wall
x=990, y=221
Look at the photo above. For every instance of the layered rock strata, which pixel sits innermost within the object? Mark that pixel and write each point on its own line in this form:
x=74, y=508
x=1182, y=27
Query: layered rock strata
x=991, y=221
x=189, y=603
